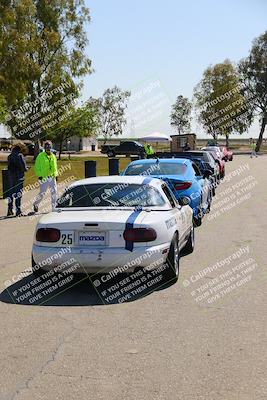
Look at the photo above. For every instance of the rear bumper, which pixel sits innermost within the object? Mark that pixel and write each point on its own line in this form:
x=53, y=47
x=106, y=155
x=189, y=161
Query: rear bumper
x=95, y=260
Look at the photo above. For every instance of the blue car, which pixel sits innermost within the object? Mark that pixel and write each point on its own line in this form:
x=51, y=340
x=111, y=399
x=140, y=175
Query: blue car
x=183, y=177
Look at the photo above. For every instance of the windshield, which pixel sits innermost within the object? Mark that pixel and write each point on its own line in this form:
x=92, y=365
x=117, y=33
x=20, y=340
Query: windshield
x=111, y=195
x=156, y=169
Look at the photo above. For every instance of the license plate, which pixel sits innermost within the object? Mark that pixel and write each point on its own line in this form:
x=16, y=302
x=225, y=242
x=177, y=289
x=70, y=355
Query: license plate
x=92, y=238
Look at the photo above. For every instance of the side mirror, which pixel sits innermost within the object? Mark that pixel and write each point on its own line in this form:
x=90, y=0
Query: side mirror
x=184, y=201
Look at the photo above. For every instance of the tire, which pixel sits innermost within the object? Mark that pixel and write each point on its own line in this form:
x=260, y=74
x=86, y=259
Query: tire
x=171, y=272
x=190, y=244
x=36, y=271
x=209, y=203
x=110, y=154
x=198, y=220
x=142, y=156
x=209, y=206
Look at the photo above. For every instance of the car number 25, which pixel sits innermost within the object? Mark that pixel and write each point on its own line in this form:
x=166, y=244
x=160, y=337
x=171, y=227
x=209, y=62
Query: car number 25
x=66, y=237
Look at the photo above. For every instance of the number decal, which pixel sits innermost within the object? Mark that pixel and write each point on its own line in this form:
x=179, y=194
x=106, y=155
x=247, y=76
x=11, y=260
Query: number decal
x=66, y=239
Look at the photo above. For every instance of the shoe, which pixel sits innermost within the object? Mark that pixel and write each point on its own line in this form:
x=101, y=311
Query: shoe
x=35, y=209
x=10, y=213
x=19, y=214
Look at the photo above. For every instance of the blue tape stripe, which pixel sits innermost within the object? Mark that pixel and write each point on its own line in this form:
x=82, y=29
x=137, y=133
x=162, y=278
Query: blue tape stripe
x=129, y=225
x=131, y=219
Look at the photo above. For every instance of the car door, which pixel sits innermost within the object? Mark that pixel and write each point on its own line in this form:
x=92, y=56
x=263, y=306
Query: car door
x=134, y=149
x=180, y=213
x=122, y=148
x=204, y=184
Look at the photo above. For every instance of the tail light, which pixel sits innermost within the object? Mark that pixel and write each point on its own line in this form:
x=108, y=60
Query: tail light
x=139, y=235
x=48, y=235
x=182, y=185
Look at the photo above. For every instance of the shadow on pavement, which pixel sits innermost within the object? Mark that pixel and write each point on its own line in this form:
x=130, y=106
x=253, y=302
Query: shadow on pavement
x=82, y=290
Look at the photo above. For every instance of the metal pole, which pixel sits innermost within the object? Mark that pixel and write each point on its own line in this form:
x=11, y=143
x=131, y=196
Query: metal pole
x=114, y=166
x=90, y=169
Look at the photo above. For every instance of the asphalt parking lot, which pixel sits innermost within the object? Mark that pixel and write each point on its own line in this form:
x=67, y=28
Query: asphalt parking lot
x=202, y=338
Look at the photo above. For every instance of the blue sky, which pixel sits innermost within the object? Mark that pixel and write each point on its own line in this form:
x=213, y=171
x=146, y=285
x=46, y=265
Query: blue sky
x=166, y=44
x=159, y=50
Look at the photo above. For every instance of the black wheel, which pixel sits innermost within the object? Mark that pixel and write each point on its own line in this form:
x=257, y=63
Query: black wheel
x=36, y=271
x=198, y=219
x=190, y=244
x=171, y=272
x=110, y=154
x=209, y=203
x=142, y=155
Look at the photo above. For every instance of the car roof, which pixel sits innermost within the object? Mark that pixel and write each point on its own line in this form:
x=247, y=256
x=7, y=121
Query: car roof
x=194, y=151
x=193, y=154
x=129, y=141
x=190, y=152
x=214, y=148
x=162, y=160
x=119, y=179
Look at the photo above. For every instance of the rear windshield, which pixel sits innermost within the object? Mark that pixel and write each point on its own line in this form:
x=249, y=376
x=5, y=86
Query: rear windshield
x=111, y=195
x=156, y=169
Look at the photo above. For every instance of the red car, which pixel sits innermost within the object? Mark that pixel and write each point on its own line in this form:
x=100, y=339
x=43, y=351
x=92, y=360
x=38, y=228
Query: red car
x=228, y=154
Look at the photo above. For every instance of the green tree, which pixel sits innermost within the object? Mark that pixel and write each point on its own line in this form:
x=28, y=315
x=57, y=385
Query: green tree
x=222, y=107
x=83, y=121
x=180, y=115
x=253, y=70
x=112, y=106
x=3, y=110
x=42, y=47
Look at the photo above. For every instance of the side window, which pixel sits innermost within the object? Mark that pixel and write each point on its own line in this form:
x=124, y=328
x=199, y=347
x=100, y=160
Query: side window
x=196, y=169
x=169, y=196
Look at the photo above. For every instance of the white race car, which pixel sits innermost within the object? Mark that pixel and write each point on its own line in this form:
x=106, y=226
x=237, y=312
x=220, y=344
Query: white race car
x=115, y=222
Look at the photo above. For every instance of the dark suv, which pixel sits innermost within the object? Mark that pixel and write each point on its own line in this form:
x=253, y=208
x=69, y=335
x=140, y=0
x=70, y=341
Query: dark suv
x=126, y=148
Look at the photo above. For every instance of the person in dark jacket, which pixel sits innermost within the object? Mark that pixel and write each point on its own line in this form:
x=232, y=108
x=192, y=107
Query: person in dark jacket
x=17, y=168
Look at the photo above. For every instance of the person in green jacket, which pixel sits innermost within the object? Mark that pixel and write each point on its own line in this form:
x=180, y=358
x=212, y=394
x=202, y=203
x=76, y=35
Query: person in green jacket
x=46, y=171
x=149, y=149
